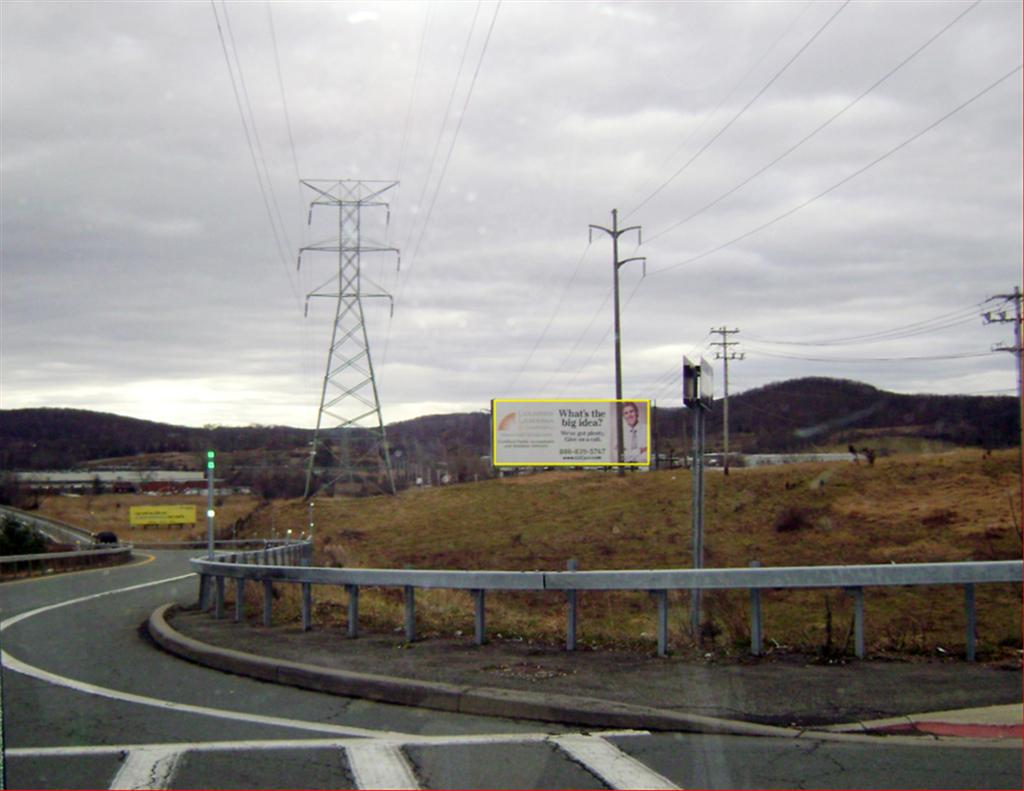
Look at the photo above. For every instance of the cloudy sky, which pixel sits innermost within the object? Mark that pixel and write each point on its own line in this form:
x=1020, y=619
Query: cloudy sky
x=839, y=181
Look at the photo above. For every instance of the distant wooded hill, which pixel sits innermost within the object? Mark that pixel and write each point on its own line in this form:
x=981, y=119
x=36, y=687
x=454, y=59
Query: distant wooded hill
x=788, y=416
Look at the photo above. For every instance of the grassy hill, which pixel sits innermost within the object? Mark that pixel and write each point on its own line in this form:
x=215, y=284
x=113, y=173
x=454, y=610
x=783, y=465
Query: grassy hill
x=939, y=507
x=799, y=414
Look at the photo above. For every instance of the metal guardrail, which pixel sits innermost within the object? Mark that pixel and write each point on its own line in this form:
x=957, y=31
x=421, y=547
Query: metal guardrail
x=202, y=543
x=12, y=566
x=290, y=564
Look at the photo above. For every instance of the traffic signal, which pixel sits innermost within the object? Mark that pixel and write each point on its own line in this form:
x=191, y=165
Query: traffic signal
x=209, y=459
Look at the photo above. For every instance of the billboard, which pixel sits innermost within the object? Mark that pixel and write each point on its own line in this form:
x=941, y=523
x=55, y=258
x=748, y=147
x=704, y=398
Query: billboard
x=147, y=515
x=570, y=432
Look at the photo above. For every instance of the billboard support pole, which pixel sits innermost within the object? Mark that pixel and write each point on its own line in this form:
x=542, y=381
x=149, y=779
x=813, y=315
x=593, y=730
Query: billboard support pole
x=698, y=514
x=698, y=395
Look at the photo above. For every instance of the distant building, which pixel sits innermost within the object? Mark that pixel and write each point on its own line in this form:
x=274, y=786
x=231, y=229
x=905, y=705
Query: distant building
x=154, y=482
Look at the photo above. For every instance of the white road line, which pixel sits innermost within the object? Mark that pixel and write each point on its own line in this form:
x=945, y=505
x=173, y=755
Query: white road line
x=377, y=765
x=8, y=622
x=18, y=666
x=609, y=763
x=148, y=768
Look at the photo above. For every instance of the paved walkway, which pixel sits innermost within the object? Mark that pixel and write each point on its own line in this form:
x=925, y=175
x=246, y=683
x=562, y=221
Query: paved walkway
x=781, y=694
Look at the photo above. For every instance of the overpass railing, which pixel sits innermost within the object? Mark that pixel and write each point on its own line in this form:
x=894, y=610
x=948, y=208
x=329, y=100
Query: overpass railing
x=290, y=564
x=53, y=529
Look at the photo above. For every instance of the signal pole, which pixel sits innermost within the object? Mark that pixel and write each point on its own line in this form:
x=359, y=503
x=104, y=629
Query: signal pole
x=349, y=393
x=1002, y=318
x=615, y=232
x=725, y=355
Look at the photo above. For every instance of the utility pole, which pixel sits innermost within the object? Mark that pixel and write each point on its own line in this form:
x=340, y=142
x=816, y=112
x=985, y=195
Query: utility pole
x=349, y=397
x=1002, y=318
x=725, y=355
x=615, y=232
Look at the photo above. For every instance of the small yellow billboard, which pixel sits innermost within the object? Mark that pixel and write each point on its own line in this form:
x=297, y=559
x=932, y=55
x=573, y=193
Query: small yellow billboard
x=161, y=515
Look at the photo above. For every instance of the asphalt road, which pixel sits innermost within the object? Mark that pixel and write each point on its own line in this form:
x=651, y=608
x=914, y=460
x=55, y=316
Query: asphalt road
x=89, y=703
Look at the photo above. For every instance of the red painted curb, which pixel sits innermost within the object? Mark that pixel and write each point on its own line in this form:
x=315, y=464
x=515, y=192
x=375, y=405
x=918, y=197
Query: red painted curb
x=966, y=730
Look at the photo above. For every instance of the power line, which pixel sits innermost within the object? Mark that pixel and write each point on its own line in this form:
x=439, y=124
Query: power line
x=255, y=129
x=252, y=153
x=820, y=127
x=579, y=340
x=458, y=128
x=895, y=333
x=412, y=95
x=551, y=318
x=955, y=356
x=739, y=82
x=444, y=123
x=284, y=107
x=844, y=180
x=743, y=109
x=603, y=338
x=451, y=147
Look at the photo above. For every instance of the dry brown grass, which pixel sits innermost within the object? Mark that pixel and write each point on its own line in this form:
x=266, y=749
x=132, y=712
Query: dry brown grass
x=940, y=507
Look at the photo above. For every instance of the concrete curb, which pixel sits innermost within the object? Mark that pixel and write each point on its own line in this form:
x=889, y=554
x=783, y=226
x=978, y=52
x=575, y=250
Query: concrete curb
x=483, y=701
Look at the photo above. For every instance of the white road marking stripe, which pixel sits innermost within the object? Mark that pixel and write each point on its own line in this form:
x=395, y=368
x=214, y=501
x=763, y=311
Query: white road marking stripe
x=376, y=764
x=608, y=762
x=8, y=622
x=388, y=739
x=149, y=768
x=18, y=666
x=295, y=744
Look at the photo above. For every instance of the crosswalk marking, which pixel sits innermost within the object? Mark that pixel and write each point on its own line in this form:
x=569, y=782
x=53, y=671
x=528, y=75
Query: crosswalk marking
x=152, y=767
x=609, y=763
x=377, y=765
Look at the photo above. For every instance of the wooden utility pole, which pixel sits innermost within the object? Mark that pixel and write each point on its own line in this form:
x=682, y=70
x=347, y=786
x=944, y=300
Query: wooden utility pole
x=615, y=232
x=1002, y=318
x=725, y=355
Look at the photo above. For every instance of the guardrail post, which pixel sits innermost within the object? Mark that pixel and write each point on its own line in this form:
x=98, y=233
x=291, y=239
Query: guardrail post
x=479, y=622
x=218, y=600
x=307, y=606
x=662, y=599
x=239, y=600
x=971, y=622
x=268, y=602
x=353, y=610
x=756, y=644
x=858, y=620
x=410, y=614
x=204, y=584
x=570, y=627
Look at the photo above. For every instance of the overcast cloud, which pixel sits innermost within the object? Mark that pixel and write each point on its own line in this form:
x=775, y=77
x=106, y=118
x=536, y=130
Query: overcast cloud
x=142, y=276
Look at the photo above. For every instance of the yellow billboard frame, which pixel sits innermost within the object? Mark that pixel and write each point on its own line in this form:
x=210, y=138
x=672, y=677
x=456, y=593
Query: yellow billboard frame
x=494, y=432
x=161, y=515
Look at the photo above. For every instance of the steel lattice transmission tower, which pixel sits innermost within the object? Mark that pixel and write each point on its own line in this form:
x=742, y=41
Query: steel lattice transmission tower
x=349, y=441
